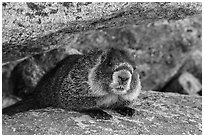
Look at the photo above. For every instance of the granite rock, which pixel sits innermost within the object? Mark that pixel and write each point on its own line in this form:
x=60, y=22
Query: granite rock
x=30, y=27
x=156, y=114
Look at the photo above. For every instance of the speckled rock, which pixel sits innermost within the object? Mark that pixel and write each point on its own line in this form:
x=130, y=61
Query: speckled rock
x=156, y=114
x=29, y=28
x=7, y=97
x=189, y=78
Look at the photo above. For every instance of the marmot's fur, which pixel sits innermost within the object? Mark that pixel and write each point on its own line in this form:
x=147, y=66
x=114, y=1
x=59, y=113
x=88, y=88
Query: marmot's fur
x=101, y=79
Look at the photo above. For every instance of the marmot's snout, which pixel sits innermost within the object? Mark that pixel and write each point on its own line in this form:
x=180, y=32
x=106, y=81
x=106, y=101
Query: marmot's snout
x=121, y=81
x=123, y=78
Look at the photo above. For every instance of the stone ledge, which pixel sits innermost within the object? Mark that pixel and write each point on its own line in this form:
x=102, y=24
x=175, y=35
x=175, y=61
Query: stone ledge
x=27, y=27
x=156, y=113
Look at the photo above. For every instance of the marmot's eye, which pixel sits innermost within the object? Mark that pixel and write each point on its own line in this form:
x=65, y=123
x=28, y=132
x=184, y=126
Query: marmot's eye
x=134, y=67
x=109, y=63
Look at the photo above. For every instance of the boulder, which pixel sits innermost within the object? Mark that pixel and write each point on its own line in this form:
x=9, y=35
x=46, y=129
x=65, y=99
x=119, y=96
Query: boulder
x=30, y=27
x=156, y=114
x=188, y=79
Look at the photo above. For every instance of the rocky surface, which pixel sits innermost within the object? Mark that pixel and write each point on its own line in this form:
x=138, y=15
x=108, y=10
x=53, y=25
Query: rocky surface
x=156, y=114
x=30, y=28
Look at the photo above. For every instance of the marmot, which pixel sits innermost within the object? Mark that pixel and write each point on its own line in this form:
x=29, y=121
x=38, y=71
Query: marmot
x=102, y=79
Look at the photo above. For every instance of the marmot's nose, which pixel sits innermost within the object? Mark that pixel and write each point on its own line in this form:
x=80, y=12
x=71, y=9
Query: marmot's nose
x=123, y=79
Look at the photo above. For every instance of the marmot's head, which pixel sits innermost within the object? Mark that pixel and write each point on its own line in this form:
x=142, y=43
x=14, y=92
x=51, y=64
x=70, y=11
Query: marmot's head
x=114, y=73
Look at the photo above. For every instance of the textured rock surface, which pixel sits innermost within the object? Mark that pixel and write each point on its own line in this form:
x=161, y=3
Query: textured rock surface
x=193, y=80
x=28, y=27
x=156, y=113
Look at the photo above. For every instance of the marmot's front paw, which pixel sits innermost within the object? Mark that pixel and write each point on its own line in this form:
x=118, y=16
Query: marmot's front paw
x=125, y=111
x=97, y=113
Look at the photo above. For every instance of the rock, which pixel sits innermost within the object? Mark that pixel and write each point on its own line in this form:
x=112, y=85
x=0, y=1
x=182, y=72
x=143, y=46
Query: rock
x=7, y=94
x=184, y=83
x=193, y=63
x=189, y=83
x=30, y=28
x=8, y=100
x=24, y=77
x=188, y=79
x=156, y=113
